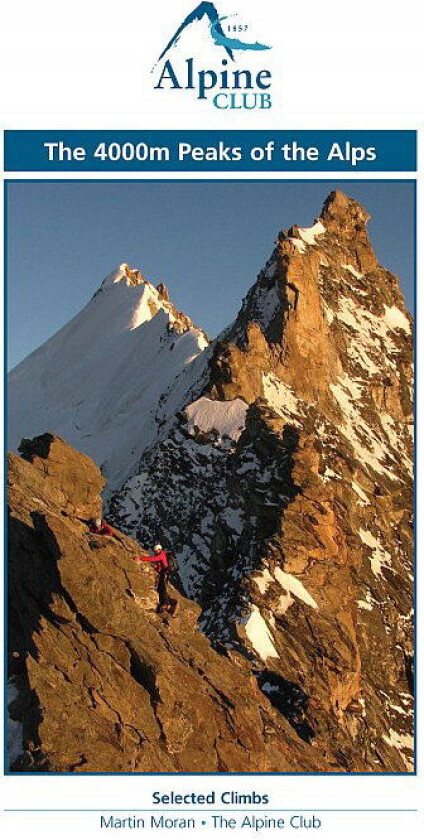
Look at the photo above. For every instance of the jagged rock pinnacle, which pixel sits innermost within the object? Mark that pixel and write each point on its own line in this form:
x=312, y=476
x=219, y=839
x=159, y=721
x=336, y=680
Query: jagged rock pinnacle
x=133, y=276
x=294, y=531
x=344, y=216
x=163, y=291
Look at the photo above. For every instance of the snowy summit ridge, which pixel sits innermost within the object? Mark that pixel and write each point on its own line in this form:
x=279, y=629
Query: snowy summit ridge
x=99, y=382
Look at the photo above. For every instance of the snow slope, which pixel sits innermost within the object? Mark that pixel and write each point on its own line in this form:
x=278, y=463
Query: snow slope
x=101, y=381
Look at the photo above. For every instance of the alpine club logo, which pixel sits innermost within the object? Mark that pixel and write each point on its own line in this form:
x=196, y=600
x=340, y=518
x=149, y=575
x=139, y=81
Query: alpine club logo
x=224, y=86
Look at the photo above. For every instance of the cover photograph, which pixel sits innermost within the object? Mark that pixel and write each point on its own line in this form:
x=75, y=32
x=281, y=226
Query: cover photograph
x=210, y=538
x=211, y=254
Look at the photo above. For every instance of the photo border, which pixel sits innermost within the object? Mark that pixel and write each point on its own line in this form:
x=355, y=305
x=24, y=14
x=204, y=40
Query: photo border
x=167, y=179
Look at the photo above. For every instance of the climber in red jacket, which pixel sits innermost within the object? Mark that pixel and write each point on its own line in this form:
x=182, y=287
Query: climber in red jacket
x=100, y=526
x=160, y=563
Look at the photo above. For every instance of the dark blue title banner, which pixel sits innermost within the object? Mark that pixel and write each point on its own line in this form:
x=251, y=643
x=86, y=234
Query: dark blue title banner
x=192, y=151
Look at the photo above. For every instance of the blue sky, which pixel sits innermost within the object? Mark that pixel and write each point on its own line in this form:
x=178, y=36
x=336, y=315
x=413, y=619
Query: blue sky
x=205, y=240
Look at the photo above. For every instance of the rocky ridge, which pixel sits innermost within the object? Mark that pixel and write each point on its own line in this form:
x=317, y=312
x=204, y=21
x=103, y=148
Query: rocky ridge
x=285, y=484
x=98, y=682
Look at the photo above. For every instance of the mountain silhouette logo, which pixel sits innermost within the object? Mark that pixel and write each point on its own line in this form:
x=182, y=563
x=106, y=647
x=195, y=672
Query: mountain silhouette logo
x=217, y=33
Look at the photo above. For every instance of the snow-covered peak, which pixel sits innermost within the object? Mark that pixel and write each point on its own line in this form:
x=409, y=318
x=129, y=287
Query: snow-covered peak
x=100, y=381
x=126, y=300
x=121, y=305
x=133, y=296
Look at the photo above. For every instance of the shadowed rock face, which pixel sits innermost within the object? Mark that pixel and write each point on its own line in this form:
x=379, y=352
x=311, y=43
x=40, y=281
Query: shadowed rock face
x=294, y=532
x=100, y=681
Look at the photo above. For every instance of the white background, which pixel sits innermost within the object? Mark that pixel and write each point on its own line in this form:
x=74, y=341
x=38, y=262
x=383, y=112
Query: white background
x=336, y=65
x=87, y=63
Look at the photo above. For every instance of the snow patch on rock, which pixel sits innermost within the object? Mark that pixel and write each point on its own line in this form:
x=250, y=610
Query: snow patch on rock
x=291, y=584
x=368, y=447
x=263, y=580
x=380, y=558
x=233, y=518
x=329, y=314
x=284, y=602
x=330, y=475
x=226, y=418
x=395, y=438
x=352, y=270
x=401, y=742
x=396, y=320
x=364, y=605
x=260, y=636
x=269, y=688
x=309, y=234
x=268, y=306
x=281, y=398
x=298, y=244
x=359, y=492
x=373, y=333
